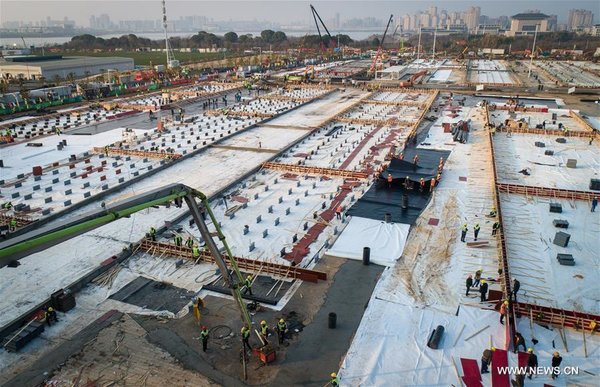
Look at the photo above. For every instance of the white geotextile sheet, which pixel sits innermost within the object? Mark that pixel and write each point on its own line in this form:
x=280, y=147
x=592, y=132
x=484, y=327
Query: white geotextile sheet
x=386, y=240
x=390, y=346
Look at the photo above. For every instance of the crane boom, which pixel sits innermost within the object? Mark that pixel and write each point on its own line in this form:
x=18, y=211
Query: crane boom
x=315, y=17
x=380, y=45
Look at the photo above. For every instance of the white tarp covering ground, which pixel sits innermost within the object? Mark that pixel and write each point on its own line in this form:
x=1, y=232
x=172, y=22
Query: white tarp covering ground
x=532, y=254
x=392, y=351
x=386, y=240
x=518, y=152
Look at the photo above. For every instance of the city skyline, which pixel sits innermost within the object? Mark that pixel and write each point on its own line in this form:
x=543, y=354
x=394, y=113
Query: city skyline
x=279, y=13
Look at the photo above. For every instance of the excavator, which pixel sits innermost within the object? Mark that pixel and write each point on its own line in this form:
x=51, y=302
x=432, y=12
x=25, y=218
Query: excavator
x=37, y=240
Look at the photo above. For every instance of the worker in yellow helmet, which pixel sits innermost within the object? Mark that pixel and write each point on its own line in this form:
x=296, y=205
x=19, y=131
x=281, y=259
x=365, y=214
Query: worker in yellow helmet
x=335, y=381
x=282, y=329
x=483, y=291
x=50, y=316
x=248, y=285
x=463, y=232
x=532, y=362
x=556, y=360
x=246, y=337
x=264, y=329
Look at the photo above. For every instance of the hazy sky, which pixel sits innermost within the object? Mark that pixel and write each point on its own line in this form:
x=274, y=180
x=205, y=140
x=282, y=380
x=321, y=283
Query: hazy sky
x=277, y=11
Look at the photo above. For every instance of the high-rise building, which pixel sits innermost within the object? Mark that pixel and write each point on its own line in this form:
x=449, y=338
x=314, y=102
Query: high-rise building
x=471, y=17
x=580, y=18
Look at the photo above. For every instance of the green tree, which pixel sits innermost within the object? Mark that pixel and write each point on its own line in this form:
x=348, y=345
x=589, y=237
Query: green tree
x=231, y=37
x=267, y=36
x=279, y=37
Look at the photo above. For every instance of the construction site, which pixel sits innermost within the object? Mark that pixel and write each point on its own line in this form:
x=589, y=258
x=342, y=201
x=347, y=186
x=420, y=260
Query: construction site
x=353, y=223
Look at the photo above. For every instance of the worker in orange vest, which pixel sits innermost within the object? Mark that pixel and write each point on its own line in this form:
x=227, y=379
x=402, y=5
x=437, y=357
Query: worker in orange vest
x=431, y=184
x=389, y=180
x=503, y=311
x=338, y=212
x=401, y=157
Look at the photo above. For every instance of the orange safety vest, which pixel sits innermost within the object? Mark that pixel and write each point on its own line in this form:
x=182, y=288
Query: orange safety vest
x=338, y=209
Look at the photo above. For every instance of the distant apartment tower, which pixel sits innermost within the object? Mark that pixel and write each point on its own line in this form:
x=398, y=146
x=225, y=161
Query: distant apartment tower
x=471, y=18
x=579, y=19
x=525, y=23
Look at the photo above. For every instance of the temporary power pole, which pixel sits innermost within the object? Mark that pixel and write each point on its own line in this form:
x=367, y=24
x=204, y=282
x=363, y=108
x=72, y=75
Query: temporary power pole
x=419, y=45
x=170, y=56
x=532, y=51
x=434, y=38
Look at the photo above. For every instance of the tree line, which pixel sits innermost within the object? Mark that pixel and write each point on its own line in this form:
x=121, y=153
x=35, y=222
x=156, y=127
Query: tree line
x=203, y=39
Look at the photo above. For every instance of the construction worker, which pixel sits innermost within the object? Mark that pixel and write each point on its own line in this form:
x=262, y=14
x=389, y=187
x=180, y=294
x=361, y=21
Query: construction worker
x=189, y=242
x=50, y=316
x=556, y=360
x=503, y=311
x=106, y=149
x=389, y=180
x=421, y=184
x=477, y=278
x=415, y=159
x=335, y=381
x=476, y=230
x=493, y=212
x=12, y=225
x=515, y=289
x=438, y=177
x=281, y=330
x=483, y=290
x=495, y=228
x=195, y=252
x=152, y=233
x=338, y=212
x=463, y=232
x=204, y=337
x=7, y=205
x=432, y=184
x=401, y=157
x=196, y=308
x=469, y=283
x=407, y=182
x=264, y=330
x=245, y=337
x=532, y=363
x=519, y=341
x=486, y=359
x=178, y=240
x=248, y=285
x=594, y=203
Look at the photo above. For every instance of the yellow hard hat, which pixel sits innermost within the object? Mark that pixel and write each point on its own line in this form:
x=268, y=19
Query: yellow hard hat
x=506, y=302
x=493, y=348
x=263, y=322
x=281, y=320
x=555, y=354
x=333, y=375
x=482, y=281
x=530, y=350
x=249, y=276
x=50, y=309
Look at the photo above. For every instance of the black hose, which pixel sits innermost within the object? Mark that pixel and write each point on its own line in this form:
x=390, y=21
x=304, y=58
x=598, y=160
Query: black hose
x=226, y=331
